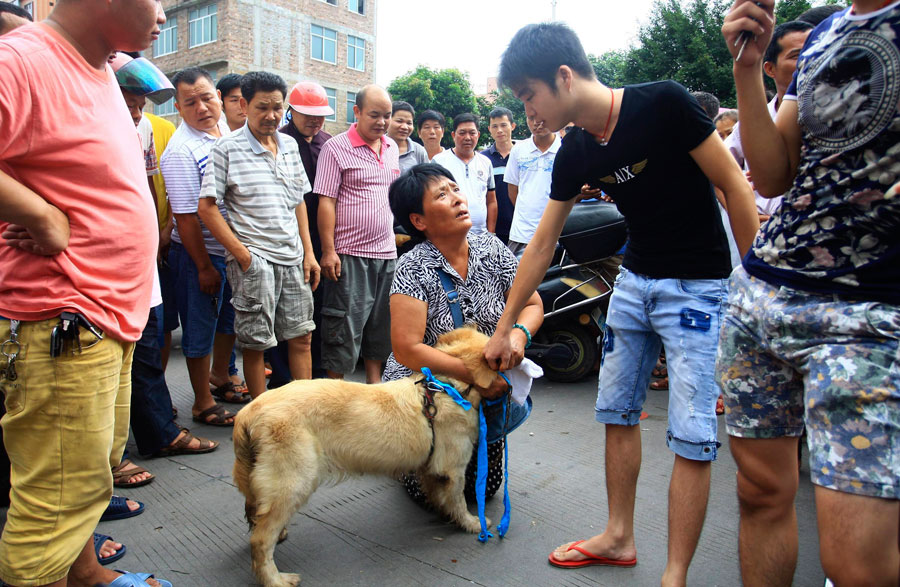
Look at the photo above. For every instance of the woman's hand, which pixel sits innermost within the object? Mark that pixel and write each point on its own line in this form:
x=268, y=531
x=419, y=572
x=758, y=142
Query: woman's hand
x=498, y=387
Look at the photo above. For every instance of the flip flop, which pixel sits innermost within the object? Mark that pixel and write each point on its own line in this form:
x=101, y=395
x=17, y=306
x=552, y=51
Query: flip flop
x=229, y=392
x=118, y=509
x=99, y=539
x=136, y=580
x=119, y=475
x=182, y=447
x=660, y=384
x=220, y=413
x=591, y=560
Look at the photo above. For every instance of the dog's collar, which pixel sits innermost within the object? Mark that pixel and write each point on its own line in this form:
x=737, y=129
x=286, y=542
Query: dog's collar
x=432, y=385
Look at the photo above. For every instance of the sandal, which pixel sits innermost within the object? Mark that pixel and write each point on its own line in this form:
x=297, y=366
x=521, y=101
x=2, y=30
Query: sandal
x=660, y=371
x=136, y=580
x=120, y=477
x=229, y=392
x=660, y=384
x=118, y=509
x=99, y=539
x=220, y=413
x=183, y=446
x=720, y=405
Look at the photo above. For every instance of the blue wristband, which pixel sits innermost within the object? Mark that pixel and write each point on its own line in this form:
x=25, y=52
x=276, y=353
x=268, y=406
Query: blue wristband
x=527, y=333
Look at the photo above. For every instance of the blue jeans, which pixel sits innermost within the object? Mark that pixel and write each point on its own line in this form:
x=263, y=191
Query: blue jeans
x=202, y=315
x=684, y=315
x=151, y=405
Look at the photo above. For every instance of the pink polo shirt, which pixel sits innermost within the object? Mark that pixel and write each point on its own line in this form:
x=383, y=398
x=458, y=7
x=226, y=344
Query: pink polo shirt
x=65, y=133
x=358, y=178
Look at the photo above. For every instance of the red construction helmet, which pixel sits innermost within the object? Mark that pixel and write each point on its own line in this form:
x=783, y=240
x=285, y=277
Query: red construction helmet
x=310, y=98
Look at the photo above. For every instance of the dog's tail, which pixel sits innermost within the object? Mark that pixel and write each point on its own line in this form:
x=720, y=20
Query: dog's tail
x=244, y=459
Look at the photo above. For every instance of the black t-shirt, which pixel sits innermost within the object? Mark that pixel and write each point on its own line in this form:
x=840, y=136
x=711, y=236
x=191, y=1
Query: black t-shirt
x=674, y=225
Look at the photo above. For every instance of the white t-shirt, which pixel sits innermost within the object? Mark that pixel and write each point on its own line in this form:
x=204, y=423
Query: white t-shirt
x=531, y=170
x=145, y=131
x=475, y=179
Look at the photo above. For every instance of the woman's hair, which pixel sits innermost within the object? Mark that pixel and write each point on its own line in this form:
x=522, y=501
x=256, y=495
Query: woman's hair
x=408, y=191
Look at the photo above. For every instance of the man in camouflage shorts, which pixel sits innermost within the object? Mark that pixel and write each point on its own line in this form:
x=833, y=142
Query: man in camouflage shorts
x=811, y=334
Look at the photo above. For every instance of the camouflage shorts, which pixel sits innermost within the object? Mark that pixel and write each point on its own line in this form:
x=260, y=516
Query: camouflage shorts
x=789, y=358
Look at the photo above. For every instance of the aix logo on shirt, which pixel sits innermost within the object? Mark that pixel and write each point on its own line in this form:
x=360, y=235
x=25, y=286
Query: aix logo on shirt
x=624, y=174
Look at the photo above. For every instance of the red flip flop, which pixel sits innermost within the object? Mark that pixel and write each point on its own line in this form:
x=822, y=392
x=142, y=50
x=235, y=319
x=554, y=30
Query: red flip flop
x=591, y=560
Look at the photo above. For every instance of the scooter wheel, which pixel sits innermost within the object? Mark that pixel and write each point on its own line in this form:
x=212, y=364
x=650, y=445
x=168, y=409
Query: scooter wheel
x=584, y=347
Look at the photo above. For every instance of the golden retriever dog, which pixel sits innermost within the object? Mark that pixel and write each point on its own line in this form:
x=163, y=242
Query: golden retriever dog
x=292, y=439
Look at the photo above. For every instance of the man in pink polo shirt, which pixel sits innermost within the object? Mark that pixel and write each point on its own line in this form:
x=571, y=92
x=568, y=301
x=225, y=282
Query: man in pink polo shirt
x=353, y=174
x=76, y=270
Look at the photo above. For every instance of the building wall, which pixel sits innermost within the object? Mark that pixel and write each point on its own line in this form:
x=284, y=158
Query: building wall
x=274, y=35
x=40, y=9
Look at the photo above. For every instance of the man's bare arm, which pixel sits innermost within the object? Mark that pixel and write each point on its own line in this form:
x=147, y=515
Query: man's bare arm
x=532, y=269
x=513, y=192
x=723, y=172
x=772, y=149
x=35, y=225
x=311, y=268
x=215, y=222
x=330, y=262
x=492, y=210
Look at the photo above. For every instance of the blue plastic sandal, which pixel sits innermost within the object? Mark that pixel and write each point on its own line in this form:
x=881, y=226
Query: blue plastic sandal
x=99, y=539
x=136, y=580
x=118, y=509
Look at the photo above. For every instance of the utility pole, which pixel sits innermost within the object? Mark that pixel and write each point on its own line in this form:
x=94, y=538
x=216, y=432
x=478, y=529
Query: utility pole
x=553, y=10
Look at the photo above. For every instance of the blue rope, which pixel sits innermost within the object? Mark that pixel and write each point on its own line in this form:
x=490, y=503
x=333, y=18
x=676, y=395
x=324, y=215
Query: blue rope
x=481, y=477
x=503, y=526
x=447, y=388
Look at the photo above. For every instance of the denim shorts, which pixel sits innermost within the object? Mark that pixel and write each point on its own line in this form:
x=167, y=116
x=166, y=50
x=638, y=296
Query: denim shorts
x=684, y=315
x=789, y=358
x=202, y=315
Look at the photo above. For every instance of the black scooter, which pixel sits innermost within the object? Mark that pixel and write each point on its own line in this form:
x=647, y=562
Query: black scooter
x=575, y=289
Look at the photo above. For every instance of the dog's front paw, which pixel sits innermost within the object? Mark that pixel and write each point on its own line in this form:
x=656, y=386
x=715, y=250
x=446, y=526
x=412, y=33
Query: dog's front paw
x=287, y=580
x=472, y=524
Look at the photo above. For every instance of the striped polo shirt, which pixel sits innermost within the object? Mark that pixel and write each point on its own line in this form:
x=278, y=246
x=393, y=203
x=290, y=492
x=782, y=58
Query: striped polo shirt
x=260, y=191
x=358, y=178
x=183, y=164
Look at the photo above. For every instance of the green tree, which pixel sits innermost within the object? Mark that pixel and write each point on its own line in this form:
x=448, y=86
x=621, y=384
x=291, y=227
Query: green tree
x=610, y=68
x=502, y=99
x=787, y=10
x=684, y=42
x=446, y=90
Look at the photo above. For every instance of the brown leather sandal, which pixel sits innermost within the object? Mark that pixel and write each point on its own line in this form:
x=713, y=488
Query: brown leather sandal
x=120, y=476
x=182, y=446
x=220, y=416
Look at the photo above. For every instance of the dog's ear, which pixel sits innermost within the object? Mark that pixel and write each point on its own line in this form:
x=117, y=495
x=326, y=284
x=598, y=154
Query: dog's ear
x=467, y=344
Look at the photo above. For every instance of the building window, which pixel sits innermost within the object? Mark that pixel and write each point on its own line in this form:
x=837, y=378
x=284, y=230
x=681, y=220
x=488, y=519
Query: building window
x=351, y=102
x=332, y=102
x=168, y=39
x=356, y=53
x=165, y=109
x=356, y=6
x=323, y=43
x=203, y=26
x=29, y=8
x=332, y=2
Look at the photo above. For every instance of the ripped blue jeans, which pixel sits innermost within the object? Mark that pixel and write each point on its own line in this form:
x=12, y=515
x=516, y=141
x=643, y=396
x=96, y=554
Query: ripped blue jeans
x=684, y=315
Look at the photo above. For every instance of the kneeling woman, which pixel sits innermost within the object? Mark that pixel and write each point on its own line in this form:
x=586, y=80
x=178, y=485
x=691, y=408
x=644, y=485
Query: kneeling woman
x=429, y=205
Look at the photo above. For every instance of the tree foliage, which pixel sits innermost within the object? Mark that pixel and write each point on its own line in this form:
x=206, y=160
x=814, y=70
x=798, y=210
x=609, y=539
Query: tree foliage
x=683, y=42
x=501, y=99
x=446, y=90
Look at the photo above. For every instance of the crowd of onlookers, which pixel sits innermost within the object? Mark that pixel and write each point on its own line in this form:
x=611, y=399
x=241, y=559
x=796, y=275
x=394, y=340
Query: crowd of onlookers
x=263, y=234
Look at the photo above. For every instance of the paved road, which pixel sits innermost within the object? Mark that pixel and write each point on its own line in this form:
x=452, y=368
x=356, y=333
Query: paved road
x=367, y=532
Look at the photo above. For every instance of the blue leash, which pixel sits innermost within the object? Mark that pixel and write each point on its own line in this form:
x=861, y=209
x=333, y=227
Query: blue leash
x=481, y=478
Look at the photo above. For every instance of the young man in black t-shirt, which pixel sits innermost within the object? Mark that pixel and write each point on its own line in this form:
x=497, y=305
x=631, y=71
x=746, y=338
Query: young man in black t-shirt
x=656, y=153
